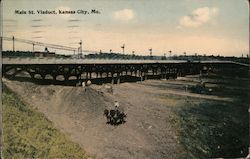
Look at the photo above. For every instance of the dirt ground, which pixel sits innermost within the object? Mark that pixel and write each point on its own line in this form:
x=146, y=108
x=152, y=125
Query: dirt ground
x=151, y=127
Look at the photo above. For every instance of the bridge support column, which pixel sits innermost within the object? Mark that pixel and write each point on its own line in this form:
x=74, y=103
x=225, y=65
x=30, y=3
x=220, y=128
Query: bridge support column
x=118, y=78
x=146, y=75
x=43, y=76
x=66, y=77
x=162, y=74
x=54, y=77
x=87, y=76
x=32, y=75
x=112, y=80
x=78, y=77
x=141, y=75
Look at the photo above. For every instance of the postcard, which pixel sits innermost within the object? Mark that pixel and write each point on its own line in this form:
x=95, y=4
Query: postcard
x=136, y=79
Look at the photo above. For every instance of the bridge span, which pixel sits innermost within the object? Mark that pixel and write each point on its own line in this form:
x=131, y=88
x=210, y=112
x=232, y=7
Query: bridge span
x=47, y=60
x=79, y=70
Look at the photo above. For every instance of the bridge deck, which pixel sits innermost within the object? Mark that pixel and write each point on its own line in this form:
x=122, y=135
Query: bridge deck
x=32, y=61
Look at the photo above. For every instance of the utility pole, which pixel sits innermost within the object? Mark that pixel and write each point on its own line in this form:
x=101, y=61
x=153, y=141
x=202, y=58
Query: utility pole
x=13, y=39
x=123, y=47
x=150, y=51
x=80, y=50
x=33, y=47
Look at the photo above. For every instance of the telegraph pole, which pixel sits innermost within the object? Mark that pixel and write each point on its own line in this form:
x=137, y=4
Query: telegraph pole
x=123, y=47
x=13, y=40
x=80, y=50
x=170, y=53
x=150, y=51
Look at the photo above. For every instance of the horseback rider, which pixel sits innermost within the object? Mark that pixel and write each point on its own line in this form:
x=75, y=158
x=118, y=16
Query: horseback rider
x=115, y=116
x=116, y=107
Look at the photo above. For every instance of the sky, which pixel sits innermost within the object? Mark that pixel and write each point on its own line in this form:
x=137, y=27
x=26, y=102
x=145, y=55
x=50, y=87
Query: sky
x=211, y=27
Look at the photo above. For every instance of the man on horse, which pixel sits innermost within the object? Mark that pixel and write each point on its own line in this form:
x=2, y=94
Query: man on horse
x=116, y=106
x=115, y=116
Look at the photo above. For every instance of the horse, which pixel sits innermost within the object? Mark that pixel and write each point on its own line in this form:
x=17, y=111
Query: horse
x=121, y=116
x=114, y=116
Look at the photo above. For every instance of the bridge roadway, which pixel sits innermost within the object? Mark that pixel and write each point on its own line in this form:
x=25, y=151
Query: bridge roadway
x=33, y=61
x=89, y=69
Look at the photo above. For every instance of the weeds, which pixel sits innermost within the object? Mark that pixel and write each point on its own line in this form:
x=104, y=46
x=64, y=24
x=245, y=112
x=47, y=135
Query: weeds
x=28, y=134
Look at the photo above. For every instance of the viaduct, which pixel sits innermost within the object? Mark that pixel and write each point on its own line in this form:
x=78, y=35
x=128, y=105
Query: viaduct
x=58, y=69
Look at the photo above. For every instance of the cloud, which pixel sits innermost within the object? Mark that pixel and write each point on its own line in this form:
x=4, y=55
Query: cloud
x=74, y=37
x=73, y=20
x=37, y=37
x=38, y=31
x=36, y=20
x=124, y=15
x=10, y=20
x=39, y=26
x=73, y=26
x=198, y=17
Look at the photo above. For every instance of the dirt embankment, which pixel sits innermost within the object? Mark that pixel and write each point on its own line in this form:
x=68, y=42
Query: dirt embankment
x=148, y=133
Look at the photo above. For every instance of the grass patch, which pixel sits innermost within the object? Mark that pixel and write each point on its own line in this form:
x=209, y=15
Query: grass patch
x=212, y=129
x=28, y=134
